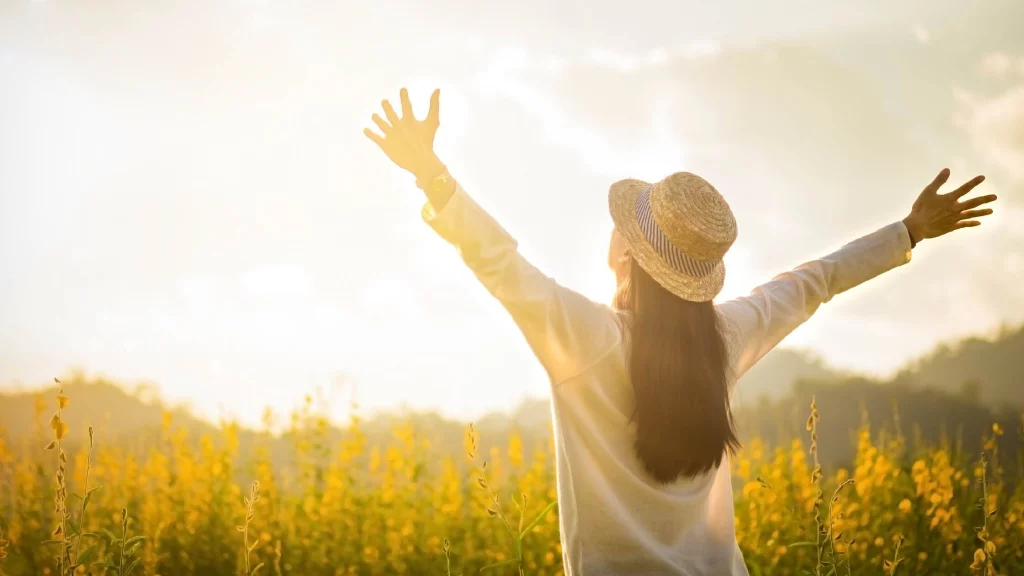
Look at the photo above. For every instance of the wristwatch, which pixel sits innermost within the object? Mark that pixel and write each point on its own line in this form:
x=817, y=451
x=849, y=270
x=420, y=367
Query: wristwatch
x=438, y=183
x=438, y=189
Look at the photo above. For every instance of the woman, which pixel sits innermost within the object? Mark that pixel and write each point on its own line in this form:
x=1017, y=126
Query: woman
x=640, y=390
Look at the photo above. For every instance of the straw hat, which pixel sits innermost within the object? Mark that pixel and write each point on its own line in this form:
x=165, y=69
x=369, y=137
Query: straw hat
x=678, y=230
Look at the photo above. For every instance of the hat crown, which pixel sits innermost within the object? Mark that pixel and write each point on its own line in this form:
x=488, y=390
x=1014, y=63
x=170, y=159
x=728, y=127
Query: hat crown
x=693, y=215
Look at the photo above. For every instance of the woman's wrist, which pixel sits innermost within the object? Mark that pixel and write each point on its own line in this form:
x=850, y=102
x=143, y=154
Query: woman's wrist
x=912, y=231
x=436, y=183
x=430, y=170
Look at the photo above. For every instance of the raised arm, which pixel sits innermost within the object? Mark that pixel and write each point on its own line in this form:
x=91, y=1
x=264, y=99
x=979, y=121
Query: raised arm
x=759, y=321
x=566, y=330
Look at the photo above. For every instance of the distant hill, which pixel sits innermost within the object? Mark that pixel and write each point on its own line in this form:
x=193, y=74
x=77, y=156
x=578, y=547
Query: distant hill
x=990, y=370
x=134, y=422
x=923, y=416
x=930, y=393
x=97, y=402
x=107, y=406
x=774, y=375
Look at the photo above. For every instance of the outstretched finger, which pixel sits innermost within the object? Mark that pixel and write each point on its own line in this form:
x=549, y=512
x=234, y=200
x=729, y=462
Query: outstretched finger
x=435, y=108
x=966, y=187
x=406, y=105
x=975, y=213
x=938, y=182
x=975, y=202
x=379, y=141
x=389, y=112
x=384, y=126
x=966, y=224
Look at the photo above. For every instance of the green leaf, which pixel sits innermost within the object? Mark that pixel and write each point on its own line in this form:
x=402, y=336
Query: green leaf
x=131, y=551
x=417, y=471
x=539, y=517
x=110, y=536
x=498, y=565
x=799, y=544
x=134, y=539
x=88, y=496
x=256, y=569
x=131, y=567
x=86, y=554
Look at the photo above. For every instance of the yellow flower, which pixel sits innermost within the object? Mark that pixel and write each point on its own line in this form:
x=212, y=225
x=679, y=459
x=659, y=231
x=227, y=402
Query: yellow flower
x=990, y=548
x=879, y=542
x=905, y=505
x=997, y=429
x=979, y=559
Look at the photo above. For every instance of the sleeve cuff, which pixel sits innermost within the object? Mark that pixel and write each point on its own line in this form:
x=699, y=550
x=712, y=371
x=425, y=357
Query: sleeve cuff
x=443, y=219
x=462, y=222
x=905, y=243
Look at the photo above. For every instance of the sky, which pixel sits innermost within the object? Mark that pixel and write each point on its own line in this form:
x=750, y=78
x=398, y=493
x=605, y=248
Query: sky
x=187, y=199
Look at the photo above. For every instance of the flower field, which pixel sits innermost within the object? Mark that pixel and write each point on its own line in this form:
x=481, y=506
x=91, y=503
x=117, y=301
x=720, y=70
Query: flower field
x=197, y=506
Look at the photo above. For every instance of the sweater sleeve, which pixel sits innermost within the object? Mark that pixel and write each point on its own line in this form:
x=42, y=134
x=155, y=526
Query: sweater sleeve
x=760, y=320
x=566, y=331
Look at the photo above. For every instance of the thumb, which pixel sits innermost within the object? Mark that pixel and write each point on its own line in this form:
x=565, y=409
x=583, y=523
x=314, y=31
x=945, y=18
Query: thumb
x=433, y=115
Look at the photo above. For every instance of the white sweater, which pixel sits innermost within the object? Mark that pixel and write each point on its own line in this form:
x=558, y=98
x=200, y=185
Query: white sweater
x=614, y=518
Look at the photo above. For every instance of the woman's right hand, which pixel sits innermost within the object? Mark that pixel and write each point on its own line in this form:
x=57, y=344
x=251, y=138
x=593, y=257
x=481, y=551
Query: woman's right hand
x=935, y=214
x=409, y=142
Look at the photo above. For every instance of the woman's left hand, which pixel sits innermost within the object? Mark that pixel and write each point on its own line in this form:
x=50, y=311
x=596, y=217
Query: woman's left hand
x=409, y=142
x=935, y=214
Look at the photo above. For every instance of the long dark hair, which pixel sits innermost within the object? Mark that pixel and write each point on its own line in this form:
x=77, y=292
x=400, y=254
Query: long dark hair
x=678, y=365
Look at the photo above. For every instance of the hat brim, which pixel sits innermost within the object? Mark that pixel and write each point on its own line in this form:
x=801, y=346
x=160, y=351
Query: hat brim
x=622, y=204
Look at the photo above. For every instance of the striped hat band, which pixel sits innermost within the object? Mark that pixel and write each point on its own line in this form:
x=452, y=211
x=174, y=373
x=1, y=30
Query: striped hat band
x=669, y=253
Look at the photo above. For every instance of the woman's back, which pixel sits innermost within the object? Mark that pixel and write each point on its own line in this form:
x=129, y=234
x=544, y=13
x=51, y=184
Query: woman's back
x=616, y=519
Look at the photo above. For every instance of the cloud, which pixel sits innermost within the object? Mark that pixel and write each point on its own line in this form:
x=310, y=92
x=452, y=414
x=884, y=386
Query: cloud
x=656, y=58
x=920, y=33
x=995, y=124
x=275, y=280
x=810, y=156
x=995, y=65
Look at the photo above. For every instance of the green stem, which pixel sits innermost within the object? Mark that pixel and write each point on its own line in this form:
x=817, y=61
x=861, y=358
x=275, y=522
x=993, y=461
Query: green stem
x=61, y=493
x=85, y=494
x=124, y=538
x=245, y=540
